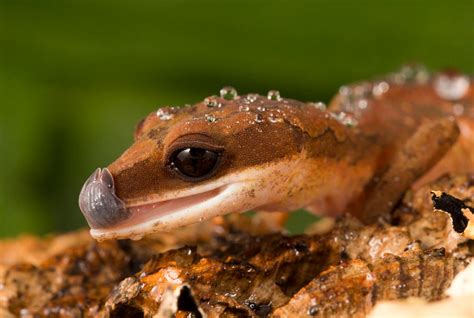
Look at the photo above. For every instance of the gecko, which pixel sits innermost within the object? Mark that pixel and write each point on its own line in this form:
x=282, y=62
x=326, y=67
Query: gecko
x=233, y=153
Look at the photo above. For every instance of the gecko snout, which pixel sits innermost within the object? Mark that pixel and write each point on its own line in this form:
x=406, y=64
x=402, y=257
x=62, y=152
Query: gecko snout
x=98, y=202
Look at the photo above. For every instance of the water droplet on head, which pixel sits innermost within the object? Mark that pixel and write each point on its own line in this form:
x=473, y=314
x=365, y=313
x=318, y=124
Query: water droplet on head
x=273, y=119
x=258, y=118
x=244, y=108
x=228, y=93
x=212, y=102
x=210, y=118
x=451, y=86
x=251, y=98
x=261, y=109
x=380, y=88
x=274, y=95
x=164, y=114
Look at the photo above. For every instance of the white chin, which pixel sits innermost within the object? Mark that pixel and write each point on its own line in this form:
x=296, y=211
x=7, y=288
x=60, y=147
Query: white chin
x=168, y=214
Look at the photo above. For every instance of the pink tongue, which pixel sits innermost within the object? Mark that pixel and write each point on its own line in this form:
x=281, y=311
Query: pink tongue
x=143, y=213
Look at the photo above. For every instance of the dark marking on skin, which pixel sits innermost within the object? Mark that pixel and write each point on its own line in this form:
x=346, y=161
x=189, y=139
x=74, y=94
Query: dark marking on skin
x=157, y=133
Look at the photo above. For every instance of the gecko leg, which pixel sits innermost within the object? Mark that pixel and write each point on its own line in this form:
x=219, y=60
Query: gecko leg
x=422, y=151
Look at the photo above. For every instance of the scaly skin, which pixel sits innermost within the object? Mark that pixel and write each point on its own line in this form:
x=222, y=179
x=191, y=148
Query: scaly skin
x=277, y=154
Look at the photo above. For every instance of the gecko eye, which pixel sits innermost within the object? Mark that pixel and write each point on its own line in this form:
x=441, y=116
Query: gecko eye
x=194, y=163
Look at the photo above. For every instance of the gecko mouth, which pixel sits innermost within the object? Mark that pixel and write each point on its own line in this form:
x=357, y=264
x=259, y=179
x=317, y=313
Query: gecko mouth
x=167, y=214
x=110, y=217
x=142, y=213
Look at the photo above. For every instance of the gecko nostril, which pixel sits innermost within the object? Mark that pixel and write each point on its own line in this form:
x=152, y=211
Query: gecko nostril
x=107, y=179
x=98, y=202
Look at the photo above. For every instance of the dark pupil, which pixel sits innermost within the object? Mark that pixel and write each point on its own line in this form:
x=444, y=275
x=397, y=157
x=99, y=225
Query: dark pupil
x=194, y=162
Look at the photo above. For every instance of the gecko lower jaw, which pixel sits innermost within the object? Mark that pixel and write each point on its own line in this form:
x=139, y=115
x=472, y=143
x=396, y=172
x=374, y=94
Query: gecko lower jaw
x=167, y=214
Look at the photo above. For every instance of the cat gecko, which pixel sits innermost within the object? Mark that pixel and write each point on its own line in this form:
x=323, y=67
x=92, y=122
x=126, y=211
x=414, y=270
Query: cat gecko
x=233, y=153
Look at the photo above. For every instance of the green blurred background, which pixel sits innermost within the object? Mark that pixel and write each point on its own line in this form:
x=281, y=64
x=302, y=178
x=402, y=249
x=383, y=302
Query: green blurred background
x=76, y=76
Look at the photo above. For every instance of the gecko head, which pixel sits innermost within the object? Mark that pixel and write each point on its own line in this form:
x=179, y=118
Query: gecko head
x=187, y=164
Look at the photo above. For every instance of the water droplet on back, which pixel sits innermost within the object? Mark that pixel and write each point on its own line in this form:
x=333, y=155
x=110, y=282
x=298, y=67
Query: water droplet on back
x=258, y=118
x=380, y=88
x=355, y=97
x=345, y=90
x=273, y=119
x=228, y=93
x=411, y=74
x=451, y=86
x=362, y=104
x=318, y=105
x=345, y=119
x=274, y=95
x=164, y=114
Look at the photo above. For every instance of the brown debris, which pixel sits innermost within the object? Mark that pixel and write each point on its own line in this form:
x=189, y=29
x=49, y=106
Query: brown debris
x=461, y=215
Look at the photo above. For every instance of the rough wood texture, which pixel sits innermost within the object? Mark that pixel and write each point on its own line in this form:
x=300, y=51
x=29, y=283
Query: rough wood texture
x=235, y=267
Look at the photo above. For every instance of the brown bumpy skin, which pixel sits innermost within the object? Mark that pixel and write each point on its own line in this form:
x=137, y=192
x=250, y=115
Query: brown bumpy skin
x=420, y=131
